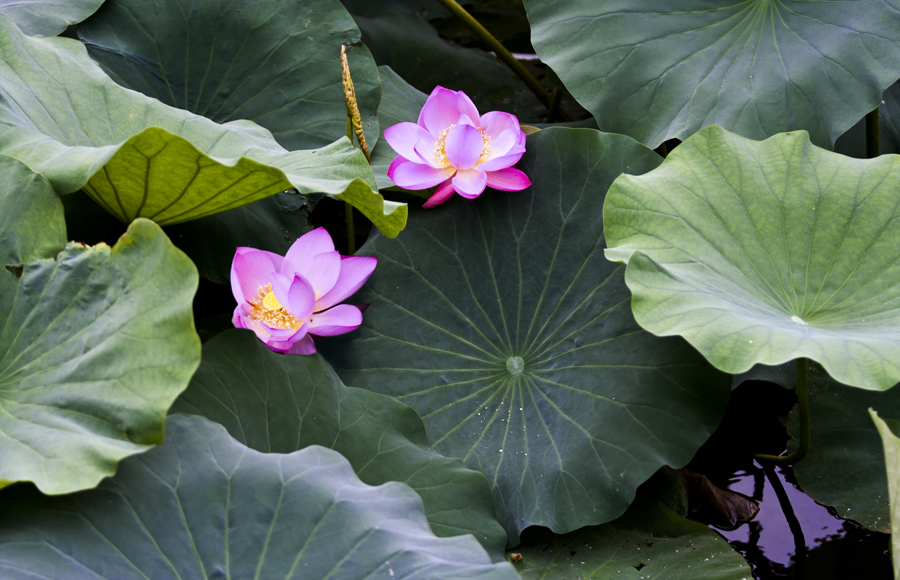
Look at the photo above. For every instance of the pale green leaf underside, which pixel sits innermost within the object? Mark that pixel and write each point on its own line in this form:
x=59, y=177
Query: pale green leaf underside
x=279, y=404
x=763, y=252
x=888, y=429
x=94, y=348
x=657, y=70
x=648, y=542
x=66, y=119
x=204, y=506
x=47, y=17
x=500, y=322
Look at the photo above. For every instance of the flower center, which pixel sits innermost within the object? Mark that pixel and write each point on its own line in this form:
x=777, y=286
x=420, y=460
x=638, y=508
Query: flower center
x=266, y=308
x=440, y=148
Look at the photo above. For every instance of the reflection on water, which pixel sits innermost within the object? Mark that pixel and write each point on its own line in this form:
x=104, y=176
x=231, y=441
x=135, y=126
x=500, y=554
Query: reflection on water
x=824, y=548
x=804, y=541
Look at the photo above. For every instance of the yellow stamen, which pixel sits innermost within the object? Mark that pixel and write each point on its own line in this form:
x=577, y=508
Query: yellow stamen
x=266, y=308
x=440, y=148
x=270, y=302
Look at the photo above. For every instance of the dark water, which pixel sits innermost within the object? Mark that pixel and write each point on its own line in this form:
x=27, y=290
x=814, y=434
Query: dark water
x=792, y=537
x=809, y=543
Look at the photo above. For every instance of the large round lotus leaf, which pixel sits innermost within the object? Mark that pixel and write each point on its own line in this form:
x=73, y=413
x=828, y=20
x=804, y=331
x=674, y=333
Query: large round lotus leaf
x=888, y=429
x=500, y=322
x=853, y=142
x=47, y=17
x=648, y=542
x=427, y=9
x=657, y=69
x=844, y=468
x=279, y=404
x=400, y=102
x=31, y=215
x=205, y=506
x=414, y=50
x=274, y=62
x=784, y=375
x=137, y=157
x=763, y=252
x=94, y=348
x=270, y=224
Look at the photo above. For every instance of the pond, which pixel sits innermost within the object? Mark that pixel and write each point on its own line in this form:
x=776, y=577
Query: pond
x=792, y=536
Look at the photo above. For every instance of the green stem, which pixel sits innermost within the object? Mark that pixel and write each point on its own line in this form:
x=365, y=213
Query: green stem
x=517, y=67
x=873, y=137
x=803, y=404
x=555, y=99
x=351, y=230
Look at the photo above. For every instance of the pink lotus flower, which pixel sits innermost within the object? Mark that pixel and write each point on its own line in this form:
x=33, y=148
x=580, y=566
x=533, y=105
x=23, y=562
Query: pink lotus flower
x=453, y=146
x=286, y=299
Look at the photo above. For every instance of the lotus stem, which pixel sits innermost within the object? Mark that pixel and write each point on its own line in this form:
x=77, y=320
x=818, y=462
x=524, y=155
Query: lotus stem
x=873, y=135
x=803, y=404
x=555, y=99
x=517, y=67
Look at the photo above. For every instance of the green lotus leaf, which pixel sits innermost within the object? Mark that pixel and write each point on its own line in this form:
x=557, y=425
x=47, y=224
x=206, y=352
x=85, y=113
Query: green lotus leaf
x=888, y=429
x=203, y=505
x=412, y=48
x=784, y=375
x=94, y=348
x=844, y=468
x=500, y=322
x=279, y=404
x=655, y=70
x=649, y=541
x=400, y=102
x=61, y=115
x=270, y=224
x=31, y=215
x=47, y=17
x=853, y=142
x=272, y=62
x=763, y=252
x=426, y=8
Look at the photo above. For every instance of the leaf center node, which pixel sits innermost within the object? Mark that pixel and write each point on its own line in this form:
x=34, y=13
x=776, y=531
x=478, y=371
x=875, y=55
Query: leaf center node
x=515, y=365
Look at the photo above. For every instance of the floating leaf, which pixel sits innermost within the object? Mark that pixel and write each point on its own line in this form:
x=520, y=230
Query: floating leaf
x=279, y=404
x=270, y=224
x=94, y=348
x=47, y=17
x=649, y=542
x=204, y=506
x=31, y=215
x=272, y=62
x=853, y=142
x=500, y=322
x=60, y=114
x=763, y=252
x=656, y=70
x=400, y=102
x=413, y=49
